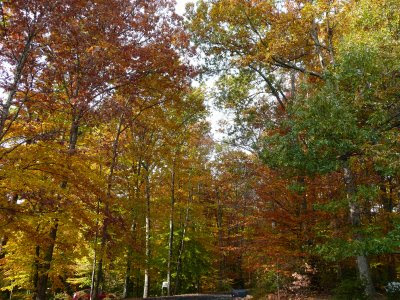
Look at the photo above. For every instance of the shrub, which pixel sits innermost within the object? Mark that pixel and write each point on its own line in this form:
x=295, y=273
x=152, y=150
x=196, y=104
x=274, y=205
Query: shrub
x=350, y=289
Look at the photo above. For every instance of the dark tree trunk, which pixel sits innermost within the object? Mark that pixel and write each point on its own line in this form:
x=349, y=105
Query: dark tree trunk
x=44, y=267
x=171, y=229
x=99, y=272
x=182, y=244
x=128, y=283
x=220, y=243
x=36, y=272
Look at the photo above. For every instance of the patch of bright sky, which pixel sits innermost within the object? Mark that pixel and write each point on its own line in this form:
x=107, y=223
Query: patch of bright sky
x=216, y=116
x=180, y=6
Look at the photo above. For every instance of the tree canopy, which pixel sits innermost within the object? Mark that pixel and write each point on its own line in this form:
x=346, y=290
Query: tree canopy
x=111, y=179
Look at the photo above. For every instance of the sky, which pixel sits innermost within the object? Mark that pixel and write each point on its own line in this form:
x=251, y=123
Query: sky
x=180, y=6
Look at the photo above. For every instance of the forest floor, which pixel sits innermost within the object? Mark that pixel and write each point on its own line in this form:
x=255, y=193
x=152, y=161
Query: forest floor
x=190, y=297
x=267, y=297
x=227, y=296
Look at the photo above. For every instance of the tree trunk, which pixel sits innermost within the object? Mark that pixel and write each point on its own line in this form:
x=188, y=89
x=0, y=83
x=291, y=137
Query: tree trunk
x=387, y=201
x=99, y=271
x=171, y=229
x=93, y=281
x=45, y=266
x=182, y=244
x=3, y=242
x=48, y=254
x=355, y=217
x=4, y=239
x=220, y=241
x=36, y=271
x=146, y=271
x=128, y=284
x=318, y=46
x=5, y=111
x=99, y=275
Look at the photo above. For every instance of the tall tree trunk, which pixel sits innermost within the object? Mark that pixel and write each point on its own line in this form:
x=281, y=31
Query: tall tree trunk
x=128, y=273
x=146, y=271
x=99, y=271
x=128, y=283
x=44, y=267
x=93, y=281
x=387, y=200
x=220, y=237
x=355, y=217
x=36, y=271
x=114, y=159
x=182, y=244
x=171, y=228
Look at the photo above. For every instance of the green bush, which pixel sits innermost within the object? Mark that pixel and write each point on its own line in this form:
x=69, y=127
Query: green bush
x=267, y=282
x=350, y=289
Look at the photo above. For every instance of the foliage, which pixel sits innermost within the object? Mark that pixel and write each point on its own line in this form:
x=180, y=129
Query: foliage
x=110, y=177
x=350, y=289
x=267, y=283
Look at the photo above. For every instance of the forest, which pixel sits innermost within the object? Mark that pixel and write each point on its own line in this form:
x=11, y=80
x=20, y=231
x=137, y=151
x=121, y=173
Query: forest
x=112, y=178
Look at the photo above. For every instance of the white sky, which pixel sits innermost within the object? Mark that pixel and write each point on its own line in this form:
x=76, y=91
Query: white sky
x=180, y=6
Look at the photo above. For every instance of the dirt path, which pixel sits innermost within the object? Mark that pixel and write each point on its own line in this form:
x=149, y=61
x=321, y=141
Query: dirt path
x=190, y=297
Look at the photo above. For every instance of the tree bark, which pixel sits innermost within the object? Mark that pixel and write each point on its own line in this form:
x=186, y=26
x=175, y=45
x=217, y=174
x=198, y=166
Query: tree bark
x=48, y=254
x=36, y=271
x=93, y=272
x=220, y=242
x=387, y=201
x=4, y=238
x=148, y=227
x=171, y=228
x=114, y=159
x=355, y=218
x=3, y=242
x=318, y=46
x=5, y=111
x=128, y=284
x=93, y=281
x=45, y=266
x=182, y=243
